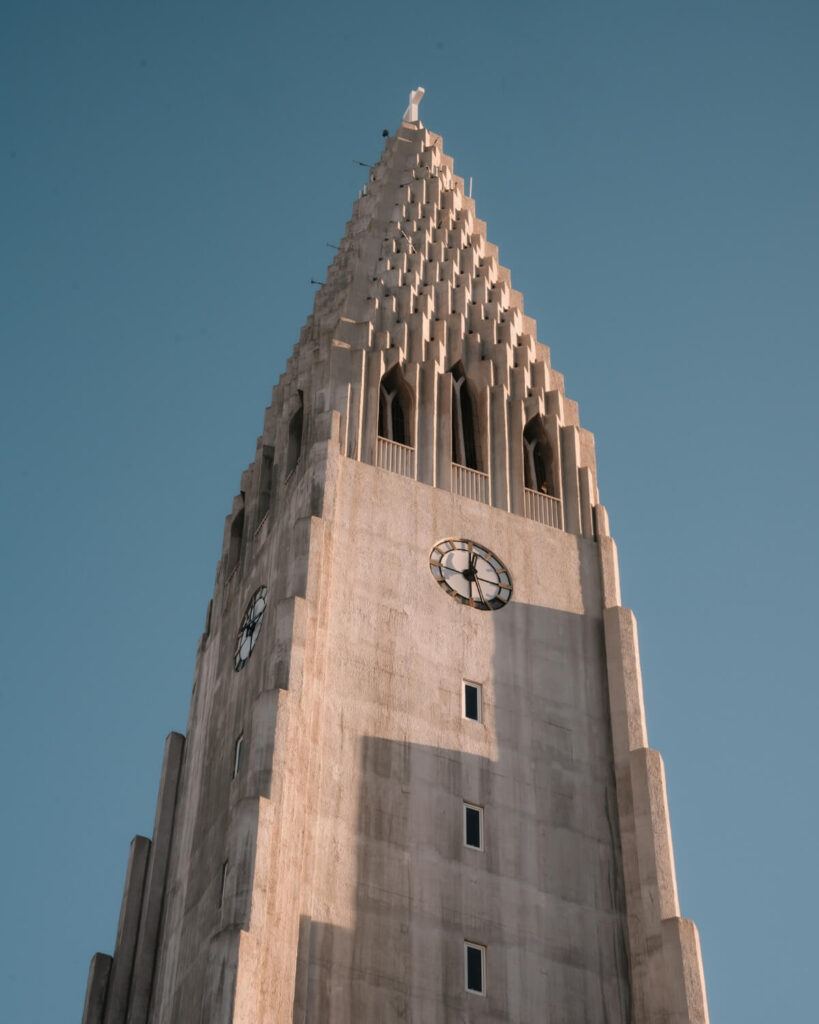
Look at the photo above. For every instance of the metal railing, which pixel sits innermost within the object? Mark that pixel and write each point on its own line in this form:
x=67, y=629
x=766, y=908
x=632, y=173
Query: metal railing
x=543, y=508
x=397, y=458
x=470, y=483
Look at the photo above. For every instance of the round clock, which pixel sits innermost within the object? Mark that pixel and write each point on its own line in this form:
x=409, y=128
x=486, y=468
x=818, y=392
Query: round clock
x=471, y=574
x=249, y=630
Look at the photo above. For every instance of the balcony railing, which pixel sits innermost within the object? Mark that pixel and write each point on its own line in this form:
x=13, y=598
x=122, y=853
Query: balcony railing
x=543, y=508
x=470, y=483
x=397, y=458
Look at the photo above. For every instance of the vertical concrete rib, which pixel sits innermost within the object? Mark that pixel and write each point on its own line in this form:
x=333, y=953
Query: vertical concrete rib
x=116, y=1002
x=552, y=425
x=369, y=433
x=499, y=446
x=157, y=871
x=667, y=978
x=443, y=460
x=586, y=500
x=427, y=421
x=517, y=420
x=98, y=974
x=685, y=976
x=571, y=481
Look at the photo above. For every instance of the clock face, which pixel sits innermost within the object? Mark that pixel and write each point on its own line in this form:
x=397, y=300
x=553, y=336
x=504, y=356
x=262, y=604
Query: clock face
x=249, y=630
x=471, y=574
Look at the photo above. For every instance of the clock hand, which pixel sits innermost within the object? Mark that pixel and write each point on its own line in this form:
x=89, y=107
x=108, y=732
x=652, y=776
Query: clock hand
x=480, y=592
x=501, y=586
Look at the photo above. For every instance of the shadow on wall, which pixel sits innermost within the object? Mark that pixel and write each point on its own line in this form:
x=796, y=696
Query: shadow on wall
x=544, y=895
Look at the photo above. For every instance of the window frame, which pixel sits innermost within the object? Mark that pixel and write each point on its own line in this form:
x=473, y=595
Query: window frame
x=482, y=951
x=473, y=807
x=479, y=691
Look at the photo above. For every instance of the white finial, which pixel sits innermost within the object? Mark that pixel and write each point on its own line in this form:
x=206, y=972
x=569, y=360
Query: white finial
x=411, y=113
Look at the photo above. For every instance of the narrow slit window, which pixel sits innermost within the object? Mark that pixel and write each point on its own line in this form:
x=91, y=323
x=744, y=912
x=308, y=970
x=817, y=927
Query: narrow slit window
x=475, y=968
x=238, y=751
x=472, y=702
x=223, y=883
x=473, y=826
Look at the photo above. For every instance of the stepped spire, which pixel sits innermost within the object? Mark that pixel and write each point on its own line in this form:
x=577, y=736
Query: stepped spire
x=415, y=284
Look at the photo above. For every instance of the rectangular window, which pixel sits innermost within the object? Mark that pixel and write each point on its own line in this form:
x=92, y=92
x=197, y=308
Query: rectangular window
x=473, y=826
x=475, y=968
x=472, y=702
x=237, y=754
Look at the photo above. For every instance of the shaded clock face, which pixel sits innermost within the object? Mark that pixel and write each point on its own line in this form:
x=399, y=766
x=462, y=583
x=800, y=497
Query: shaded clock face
x=249, y=630
x=471, y=574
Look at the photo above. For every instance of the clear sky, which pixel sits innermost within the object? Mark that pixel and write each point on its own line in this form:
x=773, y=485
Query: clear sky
x=172, y=174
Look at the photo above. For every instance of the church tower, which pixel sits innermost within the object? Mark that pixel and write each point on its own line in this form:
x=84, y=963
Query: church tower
x=416, y=783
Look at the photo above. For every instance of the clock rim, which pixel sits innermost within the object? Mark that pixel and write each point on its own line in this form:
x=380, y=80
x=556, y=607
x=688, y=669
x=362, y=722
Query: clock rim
x=242, y=632
x=476, y=604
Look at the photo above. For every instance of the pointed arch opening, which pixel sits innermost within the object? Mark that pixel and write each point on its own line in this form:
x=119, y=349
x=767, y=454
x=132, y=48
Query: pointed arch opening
x=237, y=533
x=265, y=482
x=465, y=447
x=538, y=460
x=294, y=436
x=395, y=408
x=541, y=491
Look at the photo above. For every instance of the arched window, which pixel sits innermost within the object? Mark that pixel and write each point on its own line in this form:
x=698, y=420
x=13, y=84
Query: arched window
x=395, y=407
x=464, y=421
x=237, y=531
x=294, y=436
x=538, y=464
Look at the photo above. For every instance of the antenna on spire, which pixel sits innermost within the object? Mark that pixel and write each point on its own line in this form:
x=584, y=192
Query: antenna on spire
x=415, y=97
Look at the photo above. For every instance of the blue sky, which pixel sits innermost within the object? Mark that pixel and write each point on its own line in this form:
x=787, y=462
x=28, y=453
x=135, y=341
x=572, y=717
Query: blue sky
x=172, y=174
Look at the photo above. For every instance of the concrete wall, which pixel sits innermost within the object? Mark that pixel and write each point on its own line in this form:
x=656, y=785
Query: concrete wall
x=387, y=891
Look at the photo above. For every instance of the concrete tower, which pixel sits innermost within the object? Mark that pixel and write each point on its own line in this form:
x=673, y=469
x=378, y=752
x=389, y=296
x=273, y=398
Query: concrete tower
x=416, y=783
